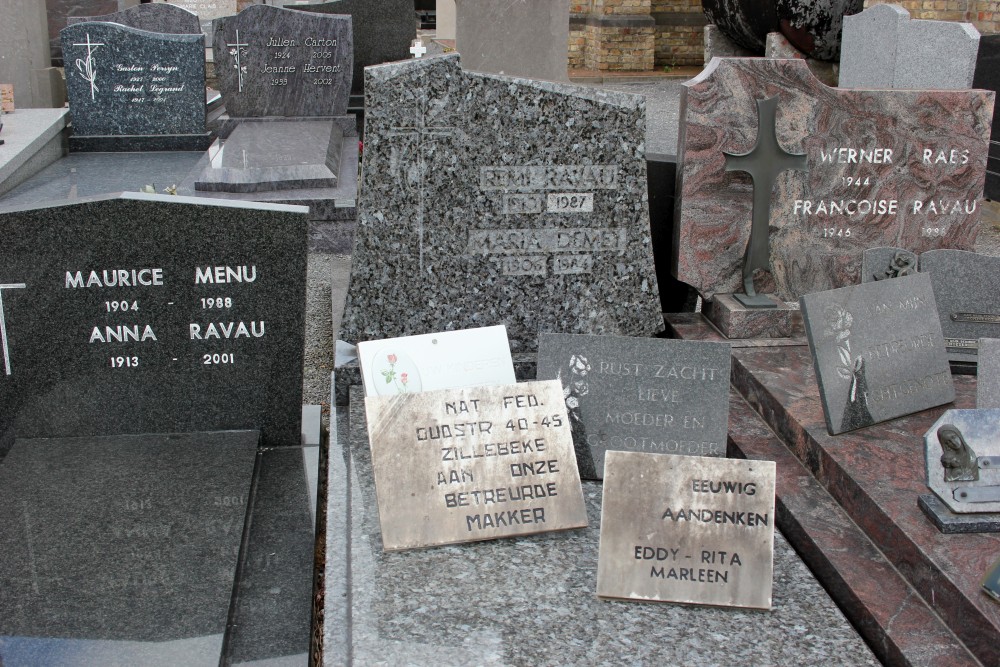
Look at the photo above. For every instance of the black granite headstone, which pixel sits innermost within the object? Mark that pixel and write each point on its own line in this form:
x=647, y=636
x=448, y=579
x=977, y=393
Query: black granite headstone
x=278, y=62
x=140, y=313
x=131, y=89
x=152, y=17
x=987, y=76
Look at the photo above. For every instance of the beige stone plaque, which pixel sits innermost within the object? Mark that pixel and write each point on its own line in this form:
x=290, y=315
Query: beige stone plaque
x=7, y=97
x=461, y=465
x=687, y=529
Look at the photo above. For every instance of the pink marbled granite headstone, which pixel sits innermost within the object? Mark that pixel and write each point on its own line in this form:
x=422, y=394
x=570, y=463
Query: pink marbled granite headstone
x=885, y=168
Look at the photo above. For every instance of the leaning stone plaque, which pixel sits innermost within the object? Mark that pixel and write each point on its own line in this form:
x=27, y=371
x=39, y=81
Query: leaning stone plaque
x=139, y=313
x=878, y=351
x=280, y=62
x=877, y=168
x=639, y=394
x=462, y=465
x=988, y=380
x=687, y=529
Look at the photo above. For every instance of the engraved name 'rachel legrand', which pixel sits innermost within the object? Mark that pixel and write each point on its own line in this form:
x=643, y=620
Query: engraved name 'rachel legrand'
x=115, y=278
x=583, y=177
x=482, y=241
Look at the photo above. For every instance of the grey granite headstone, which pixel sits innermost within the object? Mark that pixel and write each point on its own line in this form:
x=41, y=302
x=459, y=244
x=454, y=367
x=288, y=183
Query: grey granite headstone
x=878, y=351
x=988, y=374
x=280, y=62
x=887, y=262
x=491, y=200
x=131, y=89
x=382, y=29
x=965, y=288
x=525, y=39
x=883, y=48
x=152, y=314
x=955, y=447
x=639, y=394
x=159, y=17
x=129, y=542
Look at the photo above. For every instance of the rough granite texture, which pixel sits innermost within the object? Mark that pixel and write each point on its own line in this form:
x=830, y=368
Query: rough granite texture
x=965, y=289
x=491, y=200
x=383, y=30
x=133, y=82
x=457, y=605
x=280, y=62
x=158, y=17
x=734, y=320
x=988, y=387
x=820, y=250
x=62, y=341
x=950, y=523
x=883, y=48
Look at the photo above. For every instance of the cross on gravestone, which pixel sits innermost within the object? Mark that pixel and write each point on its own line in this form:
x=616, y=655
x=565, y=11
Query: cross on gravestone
x=764, y=162
x=418, y=49
x=3, y=326
x=88, y=67
x=237, y=51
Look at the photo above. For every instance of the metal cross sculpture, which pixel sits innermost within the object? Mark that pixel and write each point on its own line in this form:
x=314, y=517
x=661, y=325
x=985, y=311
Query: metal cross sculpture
x=3, y=326
x=765, y=161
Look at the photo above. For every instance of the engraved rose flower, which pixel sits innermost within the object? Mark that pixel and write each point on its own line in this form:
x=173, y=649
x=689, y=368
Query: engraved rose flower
x=400, y=380
x=838, y=322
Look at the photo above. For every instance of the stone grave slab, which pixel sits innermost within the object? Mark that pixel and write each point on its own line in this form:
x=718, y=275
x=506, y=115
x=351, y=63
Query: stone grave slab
x=639, y=394
x=463, y=465
x=144, y=313
x=280, y=62
x=443, y=360
x=962, y=454
x=121, y=549
x=526, y=39
x=471, y=175
x=159, y=17
x=965, y=289
x=987, y=76
x=33, y=140
x=878, y=351
x=883, y=48
x=687, y=529
x=134, y=90
x=263, y=156
x=882, y=168
x=382, y=30
x=988, y=384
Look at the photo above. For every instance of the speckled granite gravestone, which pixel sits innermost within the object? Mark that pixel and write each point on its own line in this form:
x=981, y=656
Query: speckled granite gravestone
x=882, y=48
x=137, y=313
x=280, y=62
x=878, y=351
x=639, y=394
x=382, y=30
x=134, y=90
x=988, y=375
x=883, y=168
x=159, y=17
x=491, y=200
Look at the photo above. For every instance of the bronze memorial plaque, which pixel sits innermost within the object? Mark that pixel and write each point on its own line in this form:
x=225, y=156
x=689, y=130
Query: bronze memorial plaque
x=687, y=529
x=461, y=465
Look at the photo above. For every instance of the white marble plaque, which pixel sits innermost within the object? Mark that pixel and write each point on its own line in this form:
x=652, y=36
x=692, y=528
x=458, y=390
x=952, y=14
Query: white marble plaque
x=687, y=529
x=478, y=463
x=446, y=360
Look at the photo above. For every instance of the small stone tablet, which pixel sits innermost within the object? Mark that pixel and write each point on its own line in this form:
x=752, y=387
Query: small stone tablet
x=687, y=529
x=473, y=464
x=878, y=351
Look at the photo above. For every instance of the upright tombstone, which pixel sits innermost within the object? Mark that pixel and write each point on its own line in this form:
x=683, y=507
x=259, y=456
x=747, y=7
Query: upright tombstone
x=132, y=90
x=25, y=51
x=283, y=63
x=881, y=168
x=878, y=351
x=639, y=394
x=136, y=313
x=526, y=39
x=883, y=48
x=988, y=77
x=159, y=17
x=487, y=199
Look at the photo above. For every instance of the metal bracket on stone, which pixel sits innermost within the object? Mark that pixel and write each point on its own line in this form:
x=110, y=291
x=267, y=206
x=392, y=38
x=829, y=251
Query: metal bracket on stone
x=987, y=462
x=977, y=494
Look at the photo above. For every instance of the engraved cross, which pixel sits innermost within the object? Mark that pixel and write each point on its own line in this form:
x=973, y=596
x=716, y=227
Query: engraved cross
x=88, y=66
x=3, y=326
x=237, y=50
x=765, y=161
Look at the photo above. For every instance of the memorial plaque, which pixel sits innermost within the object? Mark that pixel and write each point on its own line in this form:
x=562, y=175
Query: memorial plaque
x=127, y=82
x=687, y=529
x=444, y=360
x=988, y=380
x=883, y=168
x=138, y=313
x=281, y=62
x=965, y=289
x=462, y=465
x=962, y=451
x=6, y=98
x=159, y=17
x=878, y=351
x=639, y=394
x=488, y=199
